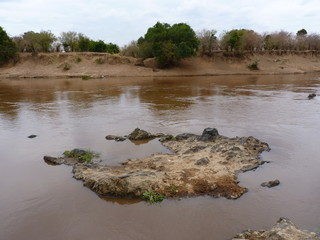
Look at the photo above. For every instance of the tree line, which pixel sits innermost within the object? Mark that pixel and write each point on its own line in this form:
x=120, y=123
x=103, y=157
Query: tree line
x=46, y=41
x=166, y=43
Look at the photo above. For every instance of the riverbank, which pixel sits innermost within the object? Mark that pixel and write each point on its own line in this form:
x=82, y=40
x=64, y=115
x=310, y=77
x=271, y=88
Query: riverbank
x=103, y=65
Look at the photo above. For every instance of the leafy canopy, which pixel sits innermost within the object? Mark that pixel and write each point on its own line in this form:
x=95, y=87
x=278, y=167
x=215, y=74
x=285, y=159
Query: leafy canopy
x=8, y=48
x=169, y=44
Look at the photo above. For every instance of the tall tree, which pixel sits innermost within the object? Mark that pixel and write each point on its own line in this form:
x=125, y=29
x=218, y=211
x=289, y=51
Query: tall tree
x=8, y=48
x=69, y=41
x=169, y=44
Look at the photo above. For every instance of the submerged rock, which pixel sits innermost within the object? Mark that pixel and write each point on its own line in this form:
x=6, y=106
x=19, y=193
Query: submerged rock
x=284, y=229
x=192, y=169
x=32, y=136
x=312, y=95
x=271, y=184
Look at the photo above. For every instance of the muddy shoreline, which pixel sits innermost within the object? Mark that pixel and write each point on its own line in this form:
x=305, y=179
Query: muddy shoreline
x=206, y=164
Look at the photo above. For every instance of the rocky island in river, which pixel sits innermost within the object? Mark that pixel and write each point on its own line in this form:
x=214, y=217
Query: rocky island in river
x=205, y=164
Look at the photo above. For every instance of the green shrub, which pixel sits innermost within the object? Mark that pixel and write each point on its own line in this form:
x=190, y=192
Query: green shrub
x=253, y=65
x=78, y=59
x=82, y=155
x=66, y=66
x=85, y=77
x=99, y=61
x=152, y=197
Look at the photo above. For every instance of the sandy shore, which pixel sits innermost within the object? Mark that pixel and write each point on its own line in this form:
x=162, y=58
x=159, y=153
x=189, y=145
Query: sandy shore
x=103, y=65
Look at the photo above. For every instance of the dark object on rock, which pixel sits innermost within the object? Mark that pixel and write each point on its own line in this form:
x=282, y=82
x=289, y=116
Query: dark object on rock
x=284, y=229
x=202, y=161
x=270, y=184
x=139, y=134
x=116, y=138
x=32, y=136
x=209, y=134
x=312, y=95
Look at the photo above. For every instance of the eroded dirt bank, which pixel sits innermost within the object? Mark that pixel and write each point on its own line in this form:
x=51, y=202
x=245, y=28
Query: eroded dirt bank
x=103, y=65
x=205, y=164
x=284, y=229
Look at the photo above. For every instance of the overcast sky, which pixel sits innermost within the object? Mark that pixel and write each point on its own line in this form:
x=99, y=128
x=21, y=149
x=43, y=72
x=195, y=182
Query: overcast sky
x=120, y=21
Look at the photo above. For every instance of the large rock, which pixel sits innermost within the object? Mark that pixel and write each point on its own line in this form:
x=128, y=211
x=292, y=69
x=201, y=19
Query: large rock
x=284, y=229
x=139, y=134
x=194, y=168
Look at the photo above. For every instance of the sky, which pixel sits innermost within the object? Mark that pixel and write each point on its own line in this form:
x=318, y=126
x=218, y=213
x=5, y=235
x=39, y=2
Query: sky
x=121, y=21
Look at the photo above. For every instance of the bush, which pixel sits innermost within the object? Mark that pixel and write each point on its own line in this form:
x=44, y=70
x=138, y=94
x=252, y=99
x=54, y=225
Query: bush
x=85, y=77
x=78, y=59
x=66, y=66
x=99, y=61
x=253, y=65
x=82, y=155
x=152, y=197
x=8, y=49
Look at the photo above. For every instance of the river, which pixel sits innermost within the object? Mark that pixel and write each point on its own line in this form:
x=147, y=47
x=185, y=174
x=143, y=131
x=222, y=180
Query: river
x=43, y=202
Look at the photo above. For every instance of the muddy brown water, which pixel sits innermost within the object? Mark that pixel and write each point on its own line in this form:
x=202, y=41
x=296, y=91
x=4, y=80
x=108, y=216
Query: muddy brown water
x=38, y=201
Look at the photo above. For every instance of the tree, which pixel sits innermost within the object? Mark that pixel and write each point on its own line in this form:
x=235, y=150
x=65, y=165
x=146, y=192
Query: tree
x=35, y=42
x=83, y=43
x=45, y=40
x=207, y=40
x=69, y=41
x=113, y=48
x=8, y=48
x=169, y=44
x=232, y=39
x=302, y=32
x=98, y=46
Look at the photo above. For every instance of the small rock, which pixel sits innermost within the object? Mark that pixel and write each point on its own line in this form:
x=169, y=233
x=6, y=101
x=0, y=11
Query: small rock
x=116, y=138
x=209, y=134
x=312, y=95
x=32, y=136
x=271, y=183
x=202, y=161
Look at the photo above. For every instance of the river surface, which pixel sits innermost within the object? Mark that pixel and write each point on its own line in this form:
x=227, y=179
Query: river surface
x=42, y=202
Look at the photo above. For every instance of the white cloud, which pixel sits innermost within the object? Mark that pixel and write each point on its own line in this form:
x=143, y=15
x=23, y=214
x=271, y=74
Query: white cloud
x=121, y=21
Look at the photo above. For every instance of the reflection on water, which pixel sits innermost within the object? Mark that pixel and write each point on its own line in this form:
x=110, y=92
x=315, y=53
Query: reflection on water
x=39, y=201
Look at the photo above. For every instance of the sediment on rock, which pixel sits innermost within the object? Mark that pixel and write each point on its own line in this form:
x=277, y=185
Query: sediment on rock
x=284, y=229
x=205, y=164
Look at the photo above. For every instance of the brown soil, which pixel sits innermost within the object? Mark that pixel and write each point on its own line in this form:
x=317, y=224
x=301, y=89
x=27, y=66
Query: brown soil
x=103, y=65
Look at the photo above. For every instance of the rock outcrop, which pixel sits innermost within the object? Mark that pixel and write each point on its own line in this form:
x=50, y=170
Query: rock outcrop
x=205, y=164
x=284, y=229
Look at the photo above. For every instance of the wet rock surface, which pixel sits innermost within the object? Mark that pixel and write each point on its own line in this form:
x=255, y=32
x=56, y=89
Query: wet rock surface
x=205, y=164
x=116, y=138
x=284, y=229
